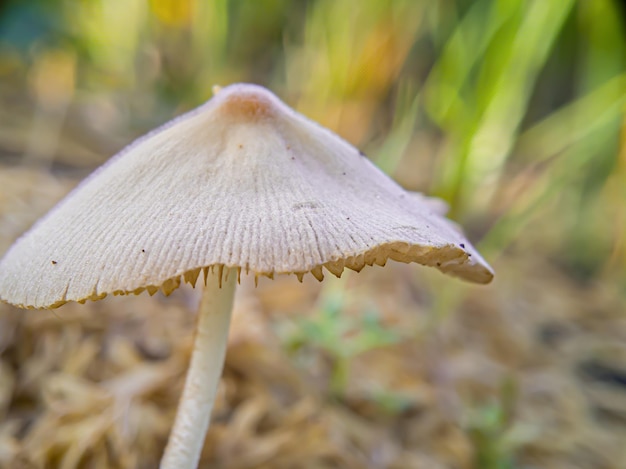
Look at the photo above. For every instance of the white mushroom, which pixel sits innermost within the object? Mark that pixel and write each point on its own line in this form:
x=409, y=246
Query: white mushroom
x=242, y=182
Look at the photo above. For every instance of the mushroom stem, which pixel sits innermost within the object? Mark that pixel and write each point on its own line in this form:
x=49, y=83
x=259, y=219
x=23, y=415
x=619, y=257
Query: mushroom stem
x=207, y=360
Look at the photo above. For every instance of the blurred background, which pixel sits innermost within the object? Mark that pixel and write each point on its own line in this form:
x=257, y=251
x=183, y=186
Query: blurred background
x=510, y=110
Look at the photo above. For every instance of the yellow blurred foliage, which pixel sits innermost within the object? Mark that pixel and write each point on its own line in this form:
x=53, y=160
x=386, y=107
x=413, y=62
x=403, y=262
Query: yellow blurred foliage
x=53, y=76
x=175, y=13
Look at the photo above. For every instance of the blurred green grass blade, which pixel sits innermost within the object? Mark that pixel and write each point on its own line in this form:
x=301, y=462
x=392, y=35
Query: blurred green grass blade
x=209, y=31
x=604, y=50
x=564, y=144
x=443, y=91
x=557, y=179
x=490, y=146
x=111, y=33
x=574, y=122
x=390, y=153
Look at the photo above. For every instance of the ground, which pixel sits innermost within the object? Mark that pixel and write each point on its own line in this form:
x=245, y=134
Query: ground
x=394, y=367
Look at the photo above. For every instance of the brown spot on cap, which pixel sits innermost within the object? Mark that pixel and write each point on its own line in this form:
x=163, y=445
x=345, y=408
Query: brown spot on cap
x=246, y=102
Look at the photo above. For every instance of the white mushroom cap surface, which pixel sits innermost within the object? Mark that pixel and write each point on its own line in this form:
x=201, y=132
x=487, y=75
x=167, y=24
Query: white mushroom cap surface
x=242, y=181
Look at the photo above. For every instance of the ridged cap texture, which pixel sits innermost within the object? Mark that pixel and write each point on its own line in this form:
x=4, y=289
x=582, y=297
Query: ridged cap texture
x=240, y=182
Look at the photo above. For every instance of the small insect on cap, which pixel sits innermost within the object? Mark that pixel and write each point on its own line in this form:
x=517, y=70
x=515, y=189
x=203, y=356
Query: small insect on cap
x=242, y=181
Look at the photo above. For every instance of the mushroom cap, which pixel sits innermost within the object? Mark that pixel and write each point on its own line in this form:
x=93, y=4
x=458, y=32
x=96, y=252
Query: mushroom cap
x=240, y=182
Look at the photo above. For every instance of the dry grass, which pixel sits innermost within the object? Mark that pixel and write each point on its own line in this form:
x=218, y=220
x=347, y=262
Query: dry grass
x=526, y=373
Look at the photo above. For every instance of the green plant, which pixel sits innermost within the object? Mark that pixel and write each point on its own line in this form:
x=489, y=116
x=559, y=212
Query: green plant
x=494, y=432
x=339, y=337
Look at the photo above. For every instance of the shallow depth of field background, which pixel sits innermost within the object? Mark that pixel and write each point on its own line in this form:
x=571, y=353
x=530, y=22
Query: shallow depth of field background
x=510, y=110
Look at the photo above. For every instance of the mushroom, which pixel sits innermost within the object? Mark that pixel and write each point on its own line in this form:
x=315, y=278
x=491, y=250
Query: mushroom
x=240, y=183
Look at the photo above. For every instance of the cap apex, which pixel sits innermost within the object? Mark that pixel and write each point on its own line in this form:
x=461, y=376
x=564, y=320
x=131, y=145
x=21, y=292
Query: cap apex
x=246, y=101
